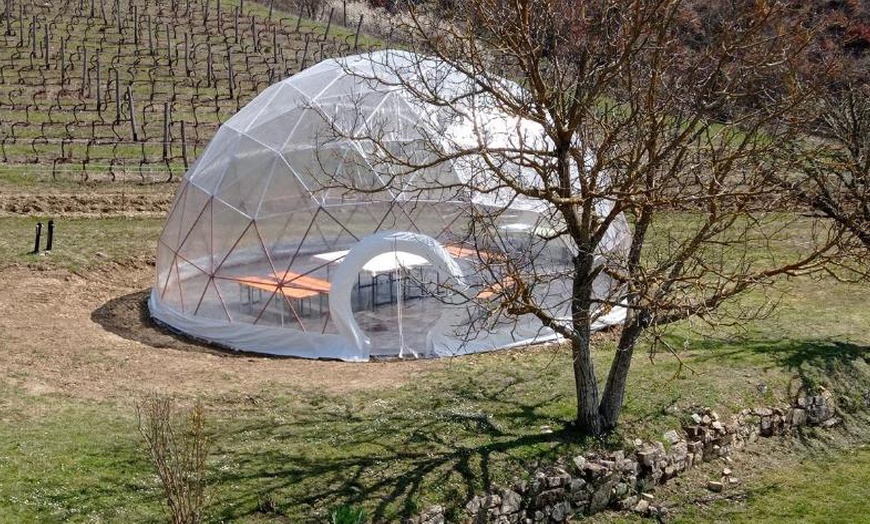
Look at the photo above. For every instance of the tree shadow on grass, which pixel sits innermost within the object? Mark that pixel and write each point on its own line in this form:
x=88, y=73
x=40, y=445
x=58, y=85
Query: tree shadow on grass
x=806, y=358
x=393, y=462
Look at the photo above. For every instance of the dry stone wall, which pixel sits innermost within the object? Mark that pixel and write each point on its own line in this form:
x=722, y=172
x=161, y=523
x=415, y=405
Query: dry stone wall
x=624, y=479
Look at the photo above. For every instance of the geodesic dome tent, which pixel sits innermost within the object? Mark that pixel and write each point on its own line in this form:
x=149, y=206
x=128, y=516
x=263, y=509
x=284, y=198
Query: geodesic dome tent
x=316, y=225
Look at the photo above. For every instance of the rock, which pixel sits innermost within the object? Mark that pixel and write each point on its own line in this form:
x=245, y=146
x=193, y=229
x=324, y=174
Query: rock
x=576, y=485
x=831, y=422
x=798, y=417
x=726, y=472
x=766, y=427
x=706, y=420
x=733, y=481
x=511, y=501
x=473, y=505
x=561, y=512
x=715, y=486
x=627, y=503
x=594, y=470
x=557, y=477
x=672, y=436
x=714, y=416
x=601, y=497
x=620, y=490
x=549, y=497
x=648, y=497
x=629, y=466
x=579, y=462
x=696, y=418
x=762, y=412
x=434, y=515
x=642, y=507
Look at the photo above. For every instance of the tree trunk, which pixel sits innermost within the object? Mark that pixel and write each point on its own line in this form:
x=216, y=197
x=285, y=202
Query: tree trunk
x=614, y=390
x=588, y=420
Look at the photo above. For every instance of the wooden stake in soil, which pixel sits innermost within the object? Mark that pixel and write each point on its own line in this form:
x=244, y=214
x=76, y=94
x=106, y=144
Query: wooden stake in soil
x=84, y=68
x=231, y=74
x=132, y=112
x=99, y=90
x=186, y=54
x=166, y=149
x=117, y=96
x=305, y=52
x=46, y=46
x=33, y=37
x=237, y=25
x=136, y=28
x=356, y=36
x=299, y=18
x=8, y=15
x=150, y=36
x=62, y=59
x=168, y=47
x=183, y=145
x=328, y=24
x=209, y=72
x=254, y=34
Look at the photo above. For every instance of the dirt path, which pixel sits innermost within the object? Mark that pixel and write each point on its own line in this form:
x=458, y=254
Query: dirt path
x=89, y=336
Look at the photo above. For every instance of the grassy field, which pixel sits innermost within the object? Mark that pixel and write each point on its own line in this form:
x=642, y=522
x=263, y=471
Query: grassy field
x=292, y=450
x=454, y=428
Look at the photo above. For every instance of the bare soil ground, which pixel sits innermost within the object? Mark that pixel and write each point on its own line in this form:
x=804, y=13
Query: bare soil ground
x=90, y=336
x=121, y=199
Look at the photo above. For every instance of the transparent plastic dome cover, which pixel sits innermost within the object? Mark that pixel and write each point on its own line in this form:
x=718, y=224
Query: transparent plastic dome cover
x=321, y=221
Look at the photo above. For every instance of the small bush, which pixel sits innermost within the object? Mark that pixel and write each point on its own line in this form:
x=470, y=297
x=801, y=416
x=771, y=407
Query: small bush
x=178, y=451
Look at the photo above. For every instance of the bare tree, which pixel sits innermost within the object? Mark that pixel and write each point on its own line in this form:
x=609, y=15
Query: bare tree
x=833, y=175
x=615, y=117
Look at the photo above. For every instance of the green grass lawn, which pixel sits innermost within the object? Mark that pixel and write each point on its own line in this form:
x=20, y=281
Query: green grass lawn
x=291, y=455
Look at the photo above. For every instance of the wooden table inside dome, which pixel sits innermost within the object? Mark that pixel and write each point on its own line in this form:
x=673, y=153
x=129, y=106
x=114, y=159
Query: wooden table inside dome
x=386, y=264
x=291, y=285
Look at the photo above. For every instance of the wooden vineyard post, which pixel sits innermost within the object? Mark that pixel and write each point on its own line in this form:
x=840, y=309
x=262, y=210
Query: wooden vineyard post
x=328, y=24
x=136, y=28
x=168, y=47
x=99, y=90
x=305, y=52
x=299, y=18
x=209, y=72
x=231, y=74
x=46, y=46
x=84, y=68
x=8, y=16
x=186, y=54
x=150, y=36
x=236, y=25
x=132, y=113
x=166, y=149
x=117, y=96
x=356, y=36
x=184, y=145
x=62, y=59
x=254, y=34
x=33, y=37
